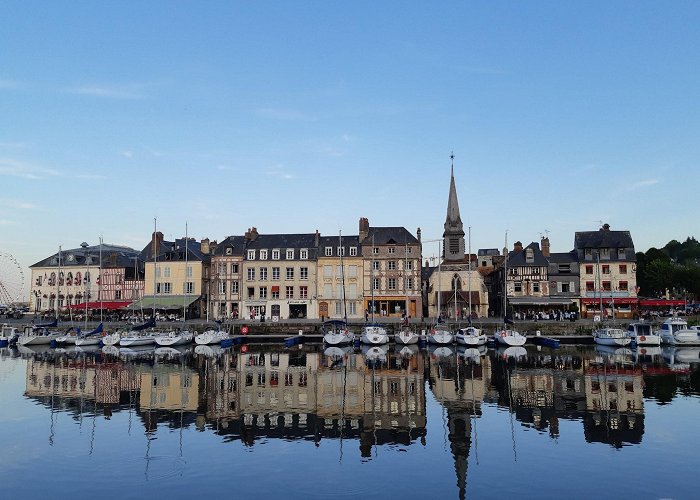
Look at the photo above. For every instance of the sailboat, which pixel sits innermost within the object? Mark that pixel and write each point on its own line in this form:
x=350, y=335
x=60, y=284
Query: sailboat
x=90, y=338
x=470, y=336
x=607, y=335
x=406, y=335
x=373, y=333
x=211, y=336
x=439, y=334
x=180, y=336
x=336, y=332
x=507, y=336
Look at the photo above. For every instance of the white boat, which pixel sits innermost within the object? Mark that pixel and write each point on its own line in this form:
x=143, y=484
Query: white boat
x=8, y=334
x=675, y=331
x=510, y=338
x=68, y=338
x=211, y=337
x=611, y=337
x=92, y=338
x=406, y=336
x=174, y=338
x=641, y=334
x=37, y=335
x=470, y=336
x=685, y=355
x=374, y=334
x=440, y=335
x=336, y=332
x=112, y=339
x=137, y=338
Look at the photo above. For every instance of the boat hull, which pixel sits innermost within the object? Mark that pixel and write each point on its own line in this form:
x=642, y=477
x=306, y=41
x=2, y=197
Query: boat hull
x=136, y=341
x=210, y=337
x=509, y=338
x=406, y=338
x=88, y=341
x=174, y=340
x=440, y=337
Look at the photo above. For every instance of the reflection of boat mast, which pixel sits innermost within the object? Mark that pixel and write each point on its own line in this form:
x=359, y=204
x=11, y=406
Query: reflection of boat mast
x=342, y=409
x=473, y=417
x=53, y=391
x=510, y=412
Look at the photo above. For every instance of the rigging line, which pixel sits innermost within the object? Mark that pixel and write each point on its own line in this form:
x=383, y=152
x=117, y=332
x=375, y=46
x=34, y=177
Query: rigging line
x=342, y=411
x=92, y=433
x=476, y=437
x=510, y=412
x=53, y=390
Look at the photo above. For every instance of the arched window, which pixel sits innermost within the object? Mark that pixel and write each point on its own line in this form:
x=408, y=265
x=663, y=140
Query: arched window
x=456, y=282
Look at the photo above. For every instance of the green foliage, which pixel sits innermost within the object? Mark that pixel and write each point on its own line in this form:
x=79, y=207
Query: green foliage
x=672, y=268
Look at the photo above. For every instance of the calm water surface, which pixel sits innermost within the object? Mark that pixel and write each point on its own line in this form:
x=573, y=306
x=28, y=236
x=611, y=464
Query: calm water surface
x=574, y=422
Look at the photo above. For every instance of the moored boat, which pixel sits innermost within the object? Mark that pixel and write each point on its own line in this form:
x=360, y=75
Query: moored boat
x=470, y=336
x=610, y=336
x=510, y=338
x=37, y=335
x=174, y=338
x=440, y=335
x=675, y=331
x=641, y=334
x=210, y=337
x=374, y=334
x=406, y=336
x=336, y=332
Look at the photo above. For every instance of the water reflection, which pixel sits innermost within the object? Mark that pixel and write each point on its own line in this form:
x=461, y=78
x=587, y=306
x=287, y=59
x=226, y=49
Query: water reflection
x=370, y=397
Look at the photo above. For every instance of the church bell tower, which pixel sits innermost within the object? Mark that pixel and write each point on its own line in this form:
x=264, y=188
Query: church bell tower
x=454, y=230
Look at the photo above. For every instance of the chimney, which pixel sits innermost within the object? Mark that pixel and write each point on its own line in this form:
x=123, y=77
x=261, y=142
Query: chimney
x=545, y=246
x=418, y=234
x=364, y=229
x=156, y=242
x=317, y=238
x=205, y=246
x=606, y=227
x=251, y=234
x=518, y=247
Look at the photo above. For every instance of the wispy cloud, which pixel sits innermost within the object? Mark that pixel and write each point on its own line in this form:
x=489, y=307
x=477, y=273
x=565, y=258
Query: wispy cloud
x=280, y=173
x=128, y=154
x=13, y=145
x=5, y=222
x=17, y=205
x=224, y=167
x=14, y=168
x=110, y=91
x=90, y=177
x=284, y=114
x=641, y=184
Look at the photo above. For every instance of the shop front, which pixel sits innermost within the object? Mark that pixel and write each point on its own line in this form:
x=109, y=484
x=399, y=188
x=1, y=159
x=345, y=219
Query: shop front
x=298, y=309
x=612, y=307
x=392, y=307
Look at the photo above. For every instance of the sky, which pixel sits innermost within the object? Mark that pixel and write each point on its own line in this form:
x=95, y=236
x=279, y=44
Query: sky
x=298, y=116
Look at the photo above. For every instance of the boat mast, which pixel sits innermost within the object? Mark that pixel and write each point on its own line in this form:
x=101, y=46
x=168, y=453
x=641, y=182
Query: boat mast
x=184, y=295
x=469, y=274
x=600, y=287
x=505, y=282
x=342, y=275
x=99, y=280
x=439, y=277
x=155, y=265
x=58, y=281
x=371, y=283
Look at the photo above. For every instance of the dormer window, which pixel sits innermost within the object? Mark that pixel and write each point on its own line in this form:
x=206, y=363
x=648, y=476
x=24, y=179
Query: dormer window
x=263, y=254
x=529, y=255
x=328, y=251
x=275, y=254
x=229, y=251
x=251, y=254
x=304, y=253
x=290, y=253
x=353, y=251
x=392, y=250
x=341, y=251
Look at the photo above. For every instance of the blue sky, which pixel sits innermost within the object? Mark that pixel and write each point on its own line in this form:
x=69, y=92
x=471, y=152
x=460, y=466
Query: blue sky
x=297, y=116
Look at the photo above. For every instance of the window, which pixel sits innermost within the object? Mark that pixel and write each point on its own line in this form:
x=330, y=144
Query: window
x=251, y=274
x=275, y=254
x=304, y=273
x=604, y=253
x=338, y=308
x=222, y=287
x=408, y=283
x=234, y=268
x=275, y=273
x=303, y=292
x=375, y=250
x=275, y=292
x=290, y=253
x=251, y=254
x=588, y=253
x=589, y=269
x=375, y=266
x=341, y=251
x=329, y=251
x=251, y=292
x=290, y=273
x=327, y=290
x=188, y=287
x=518, y=287
x=352, y=308
x=118, y=295
x=392, y=283
x=620, y=253
x=288, y=292
x=536, y=286
x=229, y=251
x=392, y=250
x=327, y=271
x=263, y=274
x=564, y=268
x=263, y=254
x=167, y=288
x=375, y=283
x=391, y=265
x=623, y=268
x=410, y=249
x=234, y=287
x=606, y=286
x=352, y=271
x=606, y=269
x=409, y=265
x=166, y=272
x=623, y=286
x=304, y=254
x=590, y=286
x=262, y=292
x=339, y=271
x=353, y=251
x=222, y=268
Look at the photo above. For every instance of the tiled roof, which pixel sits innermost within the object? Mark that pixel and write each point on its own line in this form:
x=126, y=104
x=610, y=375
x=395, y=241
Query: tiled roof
x=516, y=258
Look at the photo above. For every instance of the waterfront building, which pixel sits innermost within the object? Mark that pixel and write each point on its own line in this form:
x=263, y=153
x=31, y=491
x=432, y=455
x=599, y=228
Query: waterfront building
x=391, y=271
x=226, y=278
x=457, y=274
x=176, y=277
x=75, y=278
x=339, y=276
x=279, y=276
x=564, y=287
x=608, y=271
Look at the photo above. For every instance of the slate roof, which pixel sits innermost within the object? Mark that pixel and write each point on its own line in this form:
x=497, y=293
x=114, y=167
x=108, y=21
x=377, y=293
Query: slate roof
x=516, y=258
x=334, y=241
x=603, y=239
x=563, y=258
x=286, y=241
x=488, y=252
x=391, y=236
x=235, y=243
x=113, y=256
x=176, y=252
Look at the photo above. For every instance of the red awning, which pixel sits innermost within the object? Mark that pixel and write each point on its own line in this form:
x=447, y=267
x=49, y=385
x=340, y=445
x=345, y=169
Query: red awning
x=607, y=301
x=105, y=305
x=661, y=303
x=275, y=288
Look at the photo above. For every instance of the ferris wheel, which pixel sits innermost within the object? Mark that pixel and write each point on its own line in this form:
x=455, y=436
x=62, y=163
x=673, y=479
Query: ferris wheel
x=11, y=280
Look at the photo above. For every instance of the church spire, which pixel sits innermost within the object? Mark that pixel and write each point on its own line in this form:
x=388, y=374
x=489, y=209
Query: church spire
x=454, y=230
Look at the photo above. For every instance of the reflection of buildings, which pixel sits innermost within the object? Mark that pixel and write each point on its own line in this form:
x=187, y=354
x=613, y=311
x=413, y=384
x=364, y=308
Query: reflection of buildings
x=459, y=384
x=309, y=395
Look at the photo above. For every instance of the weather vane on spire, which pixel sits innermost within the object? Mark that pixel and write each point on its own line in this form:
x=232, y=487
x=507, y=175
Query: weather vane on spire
x=452, y=159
